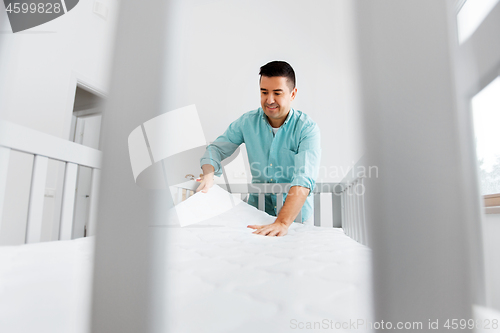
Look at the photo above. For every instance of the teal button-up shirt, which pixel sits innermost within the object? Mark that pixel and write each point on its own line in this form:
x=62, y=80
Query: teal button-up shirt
x=291, y=156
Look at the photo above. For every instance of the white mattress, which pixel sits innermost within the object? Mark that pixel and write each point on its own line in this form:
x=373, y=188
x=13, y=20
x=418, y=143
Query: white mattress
x=221, y=278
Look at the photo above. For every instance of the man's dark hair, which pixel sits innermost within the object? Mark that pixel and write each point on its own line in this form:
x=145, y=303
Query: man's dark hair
x=279, y=68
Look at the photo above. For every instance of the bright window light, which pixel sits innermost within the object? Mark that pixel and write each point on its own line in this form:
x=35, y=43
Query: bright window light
x=471, y=15
x=486, y=113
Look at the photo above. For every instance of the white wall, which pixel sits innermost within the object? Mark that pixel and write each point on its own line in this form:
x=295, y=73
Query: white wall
x=39, y=70
x=220, y=46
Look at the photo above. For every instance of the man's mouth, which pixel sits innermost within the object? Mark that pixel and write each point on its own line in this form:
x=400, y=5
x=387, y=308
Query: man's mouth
x=272, y=107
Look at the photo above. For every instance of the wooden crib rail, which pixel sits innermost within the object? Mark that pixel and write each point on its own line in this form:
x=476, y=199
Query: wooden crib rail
x=33, y=142
x=43, y=146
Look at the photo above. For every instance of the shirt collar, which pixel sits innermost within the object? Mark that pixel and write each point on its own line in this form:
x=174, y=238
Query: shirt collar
x=288, y=117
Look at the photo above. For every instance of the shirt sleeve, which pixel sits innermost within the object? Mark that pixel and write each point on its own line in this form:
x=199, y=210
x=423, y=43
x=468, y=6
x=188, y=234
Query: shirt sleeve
x=308, y=158
x=224, y=146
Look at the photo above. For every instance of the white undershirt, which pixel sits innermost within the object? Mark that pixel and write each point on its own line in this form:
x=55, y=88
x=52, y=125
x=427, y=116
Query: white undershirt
x=275, y=130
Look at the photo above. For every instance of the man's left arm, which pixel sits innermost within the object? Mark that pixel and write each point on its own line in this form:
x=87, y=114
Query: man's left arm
x=306, y=163
x=295, y=199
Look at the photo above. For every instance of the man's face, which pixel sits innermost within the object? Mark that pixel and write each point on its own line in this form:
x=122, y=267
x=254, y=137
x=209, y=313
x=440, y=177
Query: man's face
x=276, y=97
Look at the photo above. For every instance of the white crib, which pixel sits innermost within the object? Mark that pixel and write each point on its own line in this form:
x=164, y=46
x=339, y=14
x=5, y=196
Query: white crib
x=70, y=260
x=347, y=204
x=43, y=147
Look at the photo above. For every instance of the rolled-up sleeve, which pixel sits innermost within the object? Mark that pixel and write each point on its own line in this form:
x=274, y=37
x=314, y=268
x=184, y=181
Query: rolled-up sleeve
x=223, y=147
x=308, y=158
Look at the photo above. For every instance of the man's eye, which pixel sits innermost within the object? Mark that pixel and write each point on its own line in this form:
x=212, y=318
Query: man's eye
x=264, y=93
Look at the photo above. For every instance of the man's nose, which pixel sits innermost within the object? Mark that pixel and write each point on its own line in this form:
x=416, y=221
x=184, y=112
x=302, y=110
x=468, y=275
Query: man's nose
x=270, y=99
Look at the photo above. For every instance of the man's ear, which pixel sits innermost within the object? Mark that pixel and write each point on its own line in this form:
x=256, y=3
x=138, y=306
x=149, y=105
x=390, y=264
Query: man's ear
x=294, y=93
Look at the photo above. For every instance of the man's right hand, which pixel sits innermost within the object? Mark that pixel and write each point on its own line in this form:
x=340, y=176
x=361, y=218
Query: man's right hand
x=208, y=178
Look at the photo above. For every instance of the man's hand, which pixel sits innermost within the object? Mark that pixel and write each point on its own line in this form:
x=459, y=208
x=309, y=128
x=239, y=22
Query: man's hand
x=275, y=229
x=208, y=178
x=295, y=199
x=206, y=183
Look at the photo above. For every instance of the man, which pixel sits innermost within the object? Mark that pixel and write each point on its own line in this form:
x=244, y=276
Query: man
x=283, y=146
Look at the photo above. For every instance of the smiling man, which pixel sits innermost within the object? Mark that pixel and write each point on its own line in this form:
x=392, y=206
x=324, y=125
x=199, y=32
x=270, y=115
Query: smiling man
x=283, y=146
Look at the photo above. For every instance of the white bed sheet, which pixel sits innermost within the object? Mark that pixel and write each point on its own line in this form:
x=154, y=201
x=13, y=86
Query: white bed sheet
x=221, y=278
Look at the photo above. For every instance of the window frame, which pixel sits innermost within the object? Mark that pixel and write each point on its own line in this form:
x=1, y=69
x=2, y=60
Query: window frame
x=481, y=50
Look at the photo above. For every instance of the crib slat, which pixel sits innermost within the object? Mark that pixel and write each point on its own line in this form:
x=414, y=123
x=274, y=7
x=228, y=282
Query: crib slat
x=179, y=195
x=353, y=214
x=361, y=233
x=4, y=169
x=94, y=200
x=353, y=198
x=262, y=201
x=342, y=206
x=299, y=217
x=68, y=202
x=358, y=218
x=355, y=211
x=345, y=226
x=345, y=221
x=337, y=209
x=317, y=209
x=37, y=191
x=279, y=202
x=349, y=211
x=188, y=194
x=363, y=218
x=360, y=213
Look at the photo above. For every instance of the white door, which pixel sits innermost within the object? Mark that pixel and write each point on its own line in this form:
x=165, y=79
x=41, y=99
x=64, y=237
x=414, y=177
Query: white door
x=87, y=133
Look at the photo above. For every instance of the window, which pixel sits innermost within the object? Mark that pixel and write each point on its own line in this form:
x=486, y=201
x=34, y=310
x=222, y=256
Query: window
x=486, y=114
x=471, y=14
